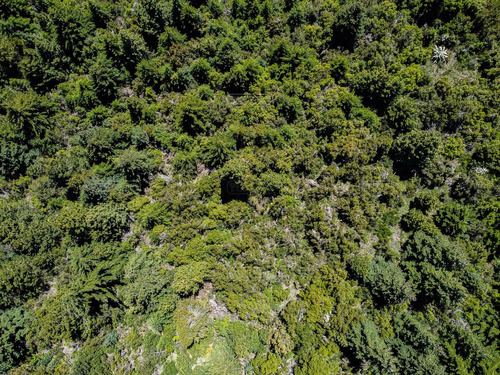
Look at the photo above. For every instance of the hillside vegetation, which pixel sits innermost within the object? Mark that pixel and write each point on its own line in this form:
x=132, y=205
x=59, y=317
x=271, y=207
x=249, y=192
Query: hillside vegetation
x=218, y=187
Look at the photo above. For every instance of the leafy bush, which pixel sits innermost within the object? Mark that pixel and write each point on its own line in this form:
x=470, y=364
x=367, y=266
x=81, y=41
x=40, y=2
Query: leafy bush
x=415, y=151
x=215, y=151
x=105, y=78
x=111, y=339
x=92, y=361
x=388, y=283
x=105, y=222
x=153, y=214
x=188, y=278
x=377, y=87
x=191, y=321
x=97, y=188
x=14, y=327
x=135, y=166
x=489, y=155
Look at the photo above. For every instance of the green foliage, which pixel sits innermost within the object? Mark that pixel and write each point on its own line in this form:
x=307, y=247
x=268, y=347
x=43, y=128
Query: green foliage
x=359, y=267
x=152, y=214
x=188, y=278
x=74, y=311
x=227, y=54
x=91, y=361
x=402, y=115
x=273, y=184
x=24, y=230
x=281, y=341
x=71, y=221
x=14, y=327
x=105, y=222
x=426, y=201
x=135, y=166
x=185, y=163
x=416, y=347
x=79, y=93
x=200, y=70
x=453, y=219
x=169, y=369
x=19, y=281
x=416, y=220
x=436, y=250
x=14, y=159
x=191, y=321
x=454, y=147
x=137, y=203
x=219, y=187
x=267, y=365
x=388, y=283
x=441, y=287
x=369, y=346
x=415, y=151
x=111, y=339
x=289, y=108
x=243, y=339
x=27, y=116
x=145, y=284
x=348, y=25
x=379, y=88
x=192, y=116
x=105, y=78
x=324, y=360
x=217, y=150
x=243, y=76
x=98, y=188
x=71, y=26
x=221, y=359
x=489, y=155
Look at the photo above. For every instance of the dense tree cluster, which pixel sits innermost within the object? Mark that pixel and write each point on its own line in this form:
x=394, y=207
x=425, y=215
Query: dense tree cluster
x=243, y=186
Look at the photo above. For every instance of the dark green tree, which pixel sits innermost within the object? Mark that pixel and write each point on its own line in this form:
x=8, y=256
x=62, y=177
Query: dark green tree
x=414, y=151
x=388, y=283
x=14, y=328
x=135, y=166
x=28, y=116
x=106, y=79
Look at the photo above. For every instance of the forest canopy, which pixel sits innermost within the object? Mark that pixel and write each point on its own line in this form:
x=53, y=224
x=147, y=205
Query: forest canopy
x=249, y=187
